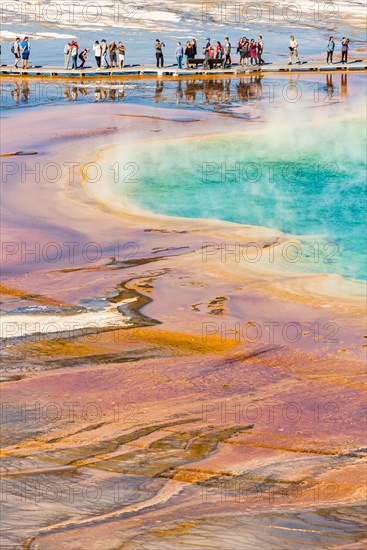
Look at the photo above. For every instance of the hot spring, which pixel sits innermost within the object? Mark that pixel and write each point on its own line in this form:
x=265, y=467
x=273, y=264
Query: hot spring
x=305, y=178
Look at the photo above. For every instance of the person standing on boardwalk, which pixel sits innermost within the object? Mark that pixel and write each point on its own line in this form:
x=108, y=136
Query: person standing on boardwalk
x=219, y=50
x=227, y=50
x=104, y=54
x=241, y=51
x=194, y=47
x=97, y=54
x=74, y=55
x=16, y=51
x=345, y=46
x=25, y=50
x=260, y=50
x=207, y=53
x=67, y=52
x=246, y=50
x=113, y=54
x=121, y=50
x=253, y=54
x=159, y=53
x=179, y=54
x=330, y=50
x=188, y=53
x=293, y=50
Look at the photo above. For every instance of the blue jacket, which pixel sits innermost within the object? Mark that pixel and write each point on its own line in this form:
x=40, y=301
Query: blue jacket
x=179, y=51
x=331, y=46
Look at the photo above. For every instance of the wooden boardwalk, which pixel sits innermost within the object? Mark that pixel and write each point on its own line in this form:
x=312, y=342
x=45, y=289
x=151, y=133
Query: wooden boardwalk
x=172, y=70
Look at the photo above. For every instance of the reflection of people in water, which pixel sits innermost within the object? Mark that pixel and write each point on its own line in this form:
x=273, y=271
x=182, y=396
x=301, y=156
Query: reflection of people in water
x=16, y=93
x=70, y=92
x=66, y=91
x=190, y=92
x=293, y=77
x=330, y=88
x=112, y=94
x=249, y=89
x=213, y=91
x=179, y=92
x=100, y=94
x=25, y=93
x=254, y=84
x=121, y=93
x=259, y=87
x=158, y=91
x=344, y=86
x=292, y=91
x=227, y=91
x=207, y=92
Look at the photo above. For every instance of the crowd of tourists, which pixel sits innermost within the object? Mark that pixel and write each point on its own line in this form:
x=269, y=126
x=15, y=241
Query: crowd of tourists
x=113, y=55
x=249, y=50
x=106, y=55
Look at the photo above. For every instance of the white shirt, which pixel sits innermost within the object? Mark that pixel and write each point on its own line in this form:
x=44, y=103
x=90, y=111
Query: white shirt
x=16, y=47
x=293, y=43
x=97, y=50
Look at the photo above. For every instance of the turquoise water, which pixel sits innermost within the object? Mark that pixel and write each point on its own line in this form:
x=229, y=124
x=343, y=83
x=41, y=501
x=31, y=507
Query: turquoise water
x=307, y=180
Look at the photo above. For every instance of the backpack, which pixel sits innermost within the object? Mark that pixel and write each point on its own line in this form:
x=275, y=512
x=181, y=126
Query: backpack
x=12, y=49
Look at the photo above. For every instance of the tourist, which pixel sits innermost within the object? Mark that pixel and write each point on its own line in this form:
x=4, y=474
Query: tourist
x=159, y=53
x=246, y=50
x=194, y=47
x=260, y=50
x=330, y=50
x=241, y=51
x=293, y=50
x=113, y=54
x=97, y=54
x=121, y=50
x=219, y=50
x=345, y=46
x=16, y=51
x=188, y=53
x=227, y=50
x=83, y=57
x=207, y=53
x=25, y=50
x=179, y=54
x=67, y=52
x=104, y=54
x=253, y=52
x=74, y=55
